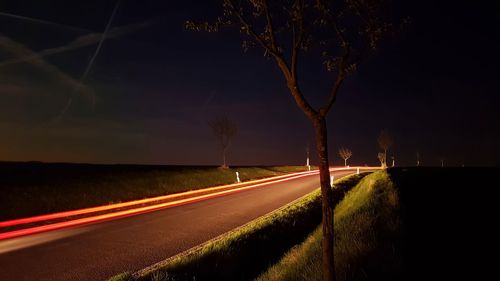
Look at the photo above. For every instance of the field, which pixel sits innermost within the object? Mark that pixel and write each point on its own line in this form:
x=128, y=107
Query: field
x=28, y=189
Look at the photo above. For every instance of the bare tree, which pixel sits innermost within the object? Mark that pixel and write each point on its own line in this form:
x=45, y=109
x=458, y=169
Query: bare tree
x=224, y=129
x=345, y=153
x=382, y=158
x=385, y=142
x=339, y=33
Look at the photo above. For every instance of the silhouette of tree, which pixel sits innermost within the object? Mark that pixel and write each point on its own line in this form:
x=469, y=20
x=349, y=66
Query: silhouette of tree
x=385, y=142
x=382, y=158
x=340, y=33
x=345, y=153
x=224, y=129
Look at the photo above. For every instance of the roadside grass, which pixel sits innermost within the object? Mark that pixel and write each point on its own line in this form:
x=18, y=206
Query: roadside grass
x=28, y=189
x=366, y=228
x=288, y=169
x=246, y=251
x=121, y=277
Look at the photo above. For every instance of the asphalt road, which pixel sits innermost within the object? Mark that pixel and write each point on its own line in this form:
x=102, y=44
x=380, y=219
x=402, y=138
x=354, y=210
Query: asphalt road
x=99, y=251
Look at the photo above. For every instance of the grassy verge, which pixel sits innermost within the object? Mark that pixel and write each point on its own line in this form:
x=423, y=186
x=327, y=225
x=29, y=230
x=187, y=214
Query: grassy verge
x=366, y=224
x=245, y=252
x=28, y=189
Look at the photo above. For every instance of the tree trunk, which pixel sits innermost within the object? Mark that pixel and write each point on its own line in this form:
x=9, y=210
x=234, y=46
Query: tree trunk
x=327, y=199
x=345, y=162
x=224, y=158
x=385, y=158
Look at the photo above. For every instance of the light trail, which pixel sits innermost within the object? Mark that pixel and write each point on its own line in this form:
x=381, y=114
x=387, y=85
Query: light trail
x=138, y=202
x=137, y=211
x=15, y=244
x=140, y=210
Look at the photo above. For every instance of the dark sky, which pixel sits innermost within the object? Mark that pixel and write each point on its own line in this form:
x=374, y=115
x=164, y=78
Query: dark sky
x=153, y=87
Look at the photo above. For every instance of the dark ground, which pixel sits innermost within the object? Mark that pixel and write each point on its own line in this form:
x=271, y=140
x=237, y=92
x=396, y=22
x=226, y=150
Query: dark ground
x=448, y=219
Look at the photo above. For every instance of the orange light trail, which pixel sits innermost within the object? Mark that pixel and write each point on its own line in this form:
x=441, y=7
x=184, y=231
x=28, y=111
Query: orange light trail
x=136, y=202
x=126, y=213
x=151, y=208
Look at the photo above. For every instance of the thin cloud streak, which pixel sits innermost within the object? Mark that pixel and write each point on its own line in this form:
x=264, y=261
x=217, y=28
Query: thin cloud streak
x=18, y=49
x=34, y=20
x=79, y=42
x=89, y=65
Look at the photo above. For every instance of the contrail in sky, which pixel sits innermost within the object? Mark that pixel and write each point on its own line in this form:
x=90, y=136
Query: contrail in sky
x=91, y=62
x=34, y=20
x=12, y=47
x=92, y=59
x=79, y=42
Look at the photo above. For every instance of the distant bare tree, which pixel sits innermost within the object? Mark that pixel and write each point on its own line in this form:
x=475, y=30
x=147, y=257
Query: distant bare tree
x=224, y=129
x=385, y=142
x=382, y=159
x=345, y=153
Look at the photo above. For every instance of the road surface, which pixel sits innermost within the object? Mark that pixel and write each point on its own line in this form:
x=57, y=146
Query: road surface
x=99, y=251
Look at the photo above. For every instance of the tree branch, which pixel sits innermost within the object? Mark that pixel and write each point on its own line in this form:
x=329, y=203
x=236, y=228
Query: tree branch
x=341, y=74
x=285, y=69
x=250, y=30
x=292, y=77
x=297, y=41
x=336, y=86
x=270, y=26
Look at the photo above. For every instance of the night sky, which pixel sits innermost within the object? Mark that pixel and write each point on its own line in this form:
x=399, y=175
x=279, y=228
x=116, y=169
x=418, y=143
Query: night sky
x=152, y=88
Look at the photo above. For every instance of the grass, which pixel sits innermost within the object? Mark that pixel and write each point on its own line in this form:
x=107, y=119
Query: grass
x=28, y=189
x=121, y=277
x=366, y=226
x=245, y=252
